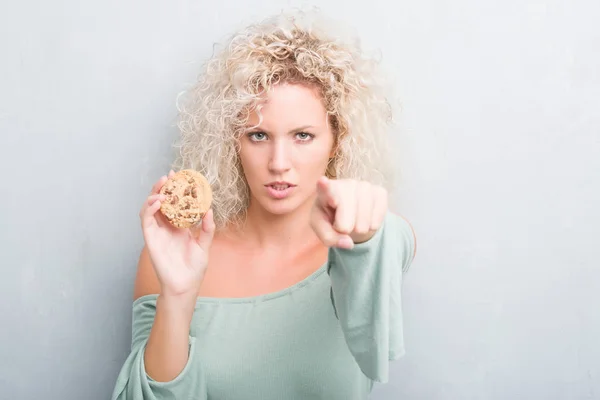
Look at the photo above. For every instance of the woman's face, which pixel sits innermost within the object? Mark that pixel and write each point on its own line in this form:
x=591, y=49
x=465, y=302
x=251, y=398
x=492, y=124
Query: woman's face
x=289, y=151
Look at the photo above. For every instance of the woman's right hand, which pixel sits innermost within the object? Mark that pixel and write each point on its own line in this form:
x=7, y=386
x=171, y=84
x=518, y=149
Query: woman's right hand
x=179, y=257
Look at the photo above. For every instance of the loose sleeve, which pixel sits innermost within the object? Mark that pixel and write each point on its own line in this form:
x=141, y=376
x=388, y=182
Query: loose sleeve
x=366, y=295
x=134, y=384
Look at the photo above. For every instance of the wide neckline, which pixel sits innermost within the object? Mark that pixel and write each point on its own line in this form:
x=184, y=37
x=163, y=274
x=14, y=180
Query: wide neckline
x=250, y=299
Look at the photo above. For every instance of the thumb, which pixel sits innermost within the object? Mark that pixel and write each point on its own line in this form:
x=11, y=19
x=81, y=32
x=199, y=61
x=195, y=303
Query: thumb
x=207, y=231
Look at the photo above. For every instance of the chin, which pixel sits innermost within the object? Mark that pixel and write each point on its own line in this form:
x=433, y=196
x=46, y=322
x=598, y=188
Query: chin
x=279, y=207
x=282, y=206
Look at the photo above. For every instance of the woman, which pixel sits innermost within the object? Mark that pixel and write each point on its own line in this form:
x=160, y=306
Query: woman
x=290, y=289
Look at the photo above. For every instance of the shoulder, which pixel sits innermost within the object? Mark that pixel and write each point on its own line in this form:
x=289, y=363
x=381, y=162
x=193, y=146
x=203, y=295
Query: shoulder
x=404, y=221
x=146, y=281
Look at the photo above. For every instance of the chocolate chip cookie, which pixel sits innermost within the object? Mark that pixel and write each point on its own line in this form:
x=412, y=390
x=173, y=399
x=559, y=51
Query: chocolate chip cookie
x=188, y=198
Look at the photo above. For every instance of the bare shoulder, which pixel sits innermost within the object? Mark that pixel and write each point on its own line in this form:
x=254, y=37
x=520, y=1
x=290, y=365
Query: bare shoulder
x=146, y=281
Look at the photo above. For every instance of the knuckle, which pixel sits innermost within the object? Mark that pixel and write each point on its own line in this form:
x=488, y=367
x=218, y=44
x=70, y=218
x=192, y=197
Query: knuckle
x=375, y=226
x=362, y=229
x=343, y=227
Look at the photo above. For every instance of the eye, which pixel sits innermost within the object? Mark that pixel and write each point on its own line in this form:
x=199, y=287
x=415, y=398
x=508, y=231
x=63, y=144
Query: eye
x=257, y=136
x=304, y=137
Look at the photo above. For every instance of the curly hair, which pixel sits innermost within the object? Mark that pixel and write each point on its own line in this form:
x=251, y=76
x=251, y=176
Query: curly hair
x=286, y=48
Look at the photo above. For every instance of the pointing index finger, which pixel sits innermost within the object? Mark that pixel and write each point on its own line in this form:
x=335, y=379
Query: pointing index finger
x=326, y=192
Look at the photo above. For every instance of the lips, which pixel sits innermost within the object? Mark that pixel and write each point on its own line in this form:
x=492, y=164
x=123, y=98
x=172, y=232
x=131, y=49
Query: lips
x=279, y=190
x=280, y=185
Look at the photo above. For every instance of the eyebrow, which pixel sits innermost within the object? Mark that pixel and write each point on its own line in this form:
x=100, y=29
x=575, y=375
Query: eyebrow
x=296, y=130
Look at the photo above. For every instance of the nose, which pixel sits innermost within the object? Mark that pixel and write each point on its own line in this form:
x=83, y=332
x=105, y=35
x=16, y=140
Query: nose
x=279, y=161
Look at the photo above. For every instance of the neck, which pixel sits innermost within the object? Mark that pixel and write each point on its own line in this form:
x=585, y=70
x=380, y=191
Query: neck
x=265, y=230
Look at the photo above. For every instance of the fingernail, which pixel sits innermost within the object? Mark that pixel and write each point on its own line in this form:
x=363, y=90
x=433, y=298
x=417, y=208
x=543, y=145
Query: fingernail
x=346, y=243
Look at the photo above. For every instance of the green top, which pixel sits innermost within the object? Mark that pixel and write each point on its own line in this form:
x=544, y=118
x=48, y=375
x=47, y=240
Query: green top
x=329, y=336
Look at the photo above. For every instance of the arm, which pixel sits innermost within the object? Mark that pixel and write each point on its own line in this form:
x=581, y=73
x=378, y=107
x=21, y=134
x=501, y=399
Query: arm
x=366, y=294
x=162, y=363
x=167, y=348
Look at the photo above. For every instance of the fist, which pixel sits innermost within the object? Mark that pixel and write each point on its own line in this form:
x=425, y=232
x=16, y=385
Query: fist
x=347, y=211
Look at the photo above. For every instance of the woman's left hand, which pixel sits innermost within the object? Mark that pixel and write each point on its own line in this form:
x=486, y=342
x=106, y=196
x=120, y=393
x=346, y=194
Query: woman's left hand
x=347, y=211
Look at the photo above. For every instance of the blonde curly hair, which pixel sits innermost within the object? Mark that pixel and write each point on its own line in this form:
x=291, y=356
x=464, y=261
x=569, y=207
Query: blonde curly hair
x=292, y=47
